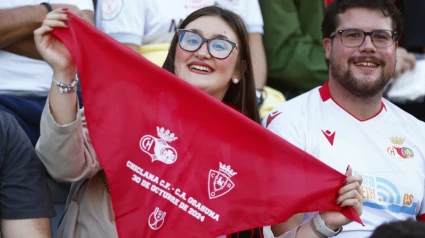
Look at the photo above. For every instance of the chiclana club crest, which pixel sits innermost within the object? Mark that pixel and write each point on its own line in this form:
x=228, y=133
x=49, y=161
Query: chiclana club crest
x=398, y=150
x=156, y=219
x=219, y=182
x=158, y=148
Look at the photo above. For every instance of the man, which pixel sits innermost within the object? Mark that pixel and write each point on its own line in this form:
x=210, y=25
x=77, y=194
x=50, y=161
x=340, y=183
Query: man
x=293, y=45
x=25, y=200
x=347, y=122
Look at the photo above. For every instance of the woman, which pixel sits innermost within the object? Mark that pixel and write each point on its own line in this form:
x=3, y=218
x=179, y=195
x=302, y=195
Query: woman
x=152, y=24
x=210, y=51
x=149, y=26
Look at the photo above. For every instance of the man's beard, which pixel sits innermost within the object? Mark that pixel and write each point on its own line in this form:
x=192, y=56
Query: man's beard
x=365, y=89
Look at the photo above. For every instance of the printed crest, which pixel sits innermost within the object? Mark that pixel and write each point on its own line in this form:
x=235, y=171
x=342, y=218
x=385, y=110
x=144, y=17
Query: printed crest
x=398, y=150
x=156, y=219
x=111, y=9
x=219, y=182
x=158, y=148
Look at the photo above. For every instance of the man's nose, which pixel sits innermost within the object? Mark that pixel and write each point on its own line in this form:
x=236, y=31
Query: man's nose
x=367, y=45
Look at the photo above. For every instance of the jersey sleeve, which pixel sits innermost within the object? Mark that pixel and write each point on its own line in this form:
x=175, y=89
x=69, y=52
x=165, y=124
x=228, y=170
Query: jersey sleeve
x=24, y=192
x=122, y=20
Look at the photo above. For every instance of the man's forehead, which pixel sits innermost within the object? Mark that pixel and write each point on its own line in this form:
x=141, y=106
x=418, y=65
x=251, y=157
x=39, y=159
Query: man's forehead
x=363, y=18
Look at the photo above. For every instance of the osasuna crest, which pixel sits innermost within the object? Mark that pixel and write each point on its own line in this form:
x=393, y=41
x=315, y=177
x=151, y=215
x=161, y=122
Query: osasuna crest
x=156, y=219
x=158, y=148
x=219, y=182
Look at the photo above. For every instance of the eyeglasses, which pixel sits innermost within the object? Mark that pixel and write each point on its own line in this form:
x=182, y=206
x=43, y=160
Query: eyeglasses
x=356, y=37
x=217, y=47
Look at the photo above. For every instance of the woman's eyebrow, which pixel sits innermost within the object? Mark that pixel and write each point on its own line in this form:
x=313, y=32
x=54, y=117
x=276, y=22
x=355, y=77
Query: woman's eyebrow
x=220, y=36
x=214, y=36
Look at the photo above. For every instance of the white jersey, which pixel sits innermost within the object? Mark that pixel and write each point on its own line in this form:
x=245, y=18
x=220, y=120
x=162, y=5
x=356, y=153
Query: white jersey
x=20, y=75
x=155, y=21
x=388, y=150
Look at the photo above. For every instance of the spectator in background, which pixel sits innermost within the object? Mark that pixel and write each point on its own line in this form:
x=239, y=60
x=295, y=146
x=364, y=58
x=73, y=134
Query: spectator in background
x=413, y=41
x=25, y=200
x=294, y=45
x=25, y=79
x=152, y=25
x=346, y=121
x=400, y=229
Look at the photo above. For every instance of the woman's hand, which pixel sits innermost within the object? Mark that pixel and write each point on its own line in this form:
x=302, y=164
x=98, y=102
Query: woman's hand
x=349, y=195
x=76, y=11
x=52, y=49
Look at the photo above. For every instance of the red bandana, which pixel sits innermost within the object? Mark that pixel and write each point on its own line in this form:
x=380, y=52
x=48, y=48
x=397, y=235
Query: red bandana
x=180, y=163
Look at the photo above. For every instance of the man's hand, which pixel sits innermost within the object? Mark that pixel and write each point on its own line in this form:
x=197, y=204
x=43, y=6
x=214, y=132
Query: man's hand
x=26, y=46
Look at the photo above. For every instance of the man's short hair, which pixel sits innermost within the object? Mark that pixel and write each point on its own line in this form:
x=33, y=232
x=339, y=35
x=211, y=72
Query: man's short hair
x=387, y=7
x=400, y=229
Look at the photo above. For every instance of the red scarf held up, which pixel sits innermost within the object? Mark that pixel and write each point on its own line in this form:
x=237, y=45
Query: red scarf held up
x=180, y=163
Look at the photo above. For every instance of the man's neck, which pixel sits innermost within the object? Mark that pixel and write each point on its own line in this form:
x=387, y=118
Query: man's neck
x=361, y=108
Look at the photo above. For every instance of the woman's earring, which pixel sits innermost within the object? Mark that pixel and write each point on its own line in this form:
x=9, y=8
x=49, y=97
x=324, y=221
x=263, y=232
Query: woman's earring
x=235, y=81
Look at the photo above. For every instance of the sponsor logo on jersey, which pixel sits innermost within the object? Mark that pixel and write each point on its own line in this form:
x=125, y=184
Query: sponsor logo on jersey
x=382, y=194
x=271, y=117
x=398, y=150
x=219, y=182
x=330, y=136
x=158, y=148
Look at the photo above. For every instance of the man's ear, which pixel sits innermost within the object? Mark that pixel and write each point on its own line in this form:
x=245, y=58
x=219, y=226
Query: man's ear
x=327, y=43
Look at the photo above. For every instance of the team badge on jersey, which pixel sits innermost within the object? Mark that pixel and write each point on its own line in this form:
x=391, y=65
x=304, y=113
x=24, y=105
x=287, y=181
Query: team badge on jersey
x=111, y=9
x=219, y=182
x=158, y=148
x=156, y=219
x=397, y=149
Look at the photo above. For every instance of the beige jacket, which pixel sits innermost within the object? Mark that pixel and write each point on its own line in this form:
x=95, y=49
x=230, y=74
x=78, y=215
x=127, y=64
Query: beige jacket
x=68, y=155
